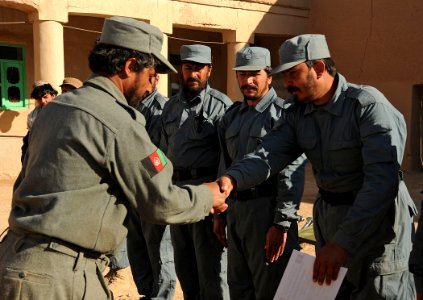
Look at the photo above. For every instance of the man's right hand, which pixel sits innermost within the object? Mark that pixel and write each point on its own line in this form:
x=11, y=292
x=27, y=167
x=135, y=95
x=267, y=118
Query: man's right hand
x=328, y=262
x=227, y=184
x=219, y=198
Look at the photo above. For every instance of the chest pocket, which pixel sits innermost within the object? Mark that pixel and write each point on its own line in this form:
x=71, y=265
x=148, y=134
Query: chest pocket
x=232, y=141
x=255, y=137
x=308, y=144
x=200, y=126
x=346, y=155
x=171, y=124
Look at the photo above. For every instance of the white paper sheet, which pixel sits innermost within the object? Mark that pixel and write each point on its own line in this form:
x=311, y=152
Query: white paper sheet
x=297, y=281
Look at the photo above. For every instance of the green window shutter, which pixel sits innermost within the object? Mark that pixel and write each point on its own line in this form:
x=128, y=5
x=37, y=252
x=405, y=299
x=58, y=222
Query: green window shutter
x=13, y=95
x=13, y=85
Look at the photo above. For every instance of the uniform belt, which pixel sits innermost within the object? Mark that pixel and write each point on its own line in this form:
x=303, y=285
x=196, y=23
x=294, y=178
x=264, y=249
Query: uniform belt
x=346, y=198
x=59, y=245
x=251, y=194
x=265, y=189
x=335, y=199
x=184, y=174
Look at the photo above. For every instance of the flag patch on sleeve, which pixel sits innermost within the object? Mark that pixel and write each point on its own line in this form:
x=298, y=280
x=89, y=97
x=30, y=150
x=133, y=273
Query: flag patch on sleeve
x=155, y=162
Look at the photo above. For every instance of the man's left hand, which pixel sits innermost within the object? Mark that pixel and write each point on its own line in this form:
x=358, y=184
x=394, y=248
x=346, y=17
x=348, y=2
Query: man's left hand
x=275, y=243
x=328, y=262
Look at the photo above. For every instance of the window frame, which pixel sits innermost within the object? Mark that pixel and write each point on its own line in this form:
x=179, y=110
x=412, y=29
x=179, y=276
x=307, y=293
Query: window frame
x=5, y=104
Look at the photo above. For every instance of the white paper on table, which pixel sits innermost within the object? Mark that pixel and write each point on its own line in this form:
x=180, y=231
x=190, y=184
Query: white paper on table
x=297, y=281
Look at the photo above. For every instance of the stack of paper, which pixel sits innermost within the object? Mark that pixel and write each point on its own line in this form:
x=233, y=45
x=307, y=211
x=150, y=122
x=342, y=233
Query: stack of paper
x=297, y=281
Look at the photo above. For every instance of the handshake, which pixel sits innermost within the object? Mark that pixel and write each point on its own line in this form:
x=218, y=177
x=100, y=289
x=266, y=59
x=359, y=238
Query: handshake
x=220, y=190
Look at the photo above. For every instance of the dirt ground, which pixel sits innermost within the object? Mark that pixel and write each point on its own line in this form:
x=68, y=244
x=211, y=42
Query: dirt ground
x=414, y=181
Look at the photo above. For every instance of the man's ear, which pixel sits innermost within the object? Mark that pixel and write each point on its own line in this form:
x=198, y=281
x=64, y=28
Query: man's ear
x=128, y=67
x=269, y=79
x=210, y=69
x=319, y=67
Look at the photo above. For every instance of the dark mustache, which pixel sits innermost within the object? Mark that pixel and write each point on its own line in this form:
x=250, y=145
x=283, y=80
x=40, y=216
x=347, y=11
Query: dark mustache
x=192, y=80
x=246, y=86
x=292, y=89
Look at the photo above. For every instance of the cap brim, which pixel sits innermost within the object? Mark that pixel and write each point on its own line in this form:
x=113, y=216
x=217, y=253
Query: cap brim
x=284, y=67
x=249, y=68
x=166, y=66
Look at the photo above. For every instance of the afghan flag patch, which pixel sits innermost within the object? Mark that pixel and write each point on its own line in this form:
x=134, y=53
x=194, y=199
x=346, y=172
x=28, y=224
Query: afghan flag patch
x=155, y=162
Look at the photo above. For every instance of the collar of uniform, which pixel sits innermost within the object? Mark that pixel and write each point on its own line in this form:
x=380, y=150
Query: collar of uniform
x=196, y=100
x=108, y=86
x=335, y=105
x=263, y=104
x=150, y=98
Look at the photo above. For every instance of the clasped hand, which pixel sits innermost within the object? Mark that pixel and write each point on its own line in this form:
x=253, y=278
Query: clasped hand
x=220, y=190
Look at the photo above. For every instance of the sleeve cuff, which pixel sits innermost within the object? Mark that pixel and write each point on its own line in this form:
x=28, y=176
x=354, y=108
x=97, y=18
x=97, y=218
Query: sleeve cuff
x=285, y=225
x=346, y=242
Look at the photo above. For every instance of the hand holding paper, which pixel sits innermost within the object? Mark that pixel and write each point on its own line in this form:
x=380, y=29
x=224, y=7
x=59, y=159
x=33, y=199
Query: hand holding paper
x=297, y=281
x=328, y=262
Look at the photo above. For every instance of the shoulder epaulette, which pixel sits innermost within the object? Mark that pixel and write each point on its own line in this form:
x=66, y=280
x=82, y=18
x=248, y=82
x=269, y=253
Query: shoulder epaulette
x=234, y=105
x=364, y=94
x=219, y=95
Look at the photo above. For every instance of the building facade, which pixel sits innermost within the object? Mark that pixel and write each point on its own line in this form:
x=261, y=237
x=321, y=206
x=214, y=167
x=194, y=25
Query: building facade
x=377, y=42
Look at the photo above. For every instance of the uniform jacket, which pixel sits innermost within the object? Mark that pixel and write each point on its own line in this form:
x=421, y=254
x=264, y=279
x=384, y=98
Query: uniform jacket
x=241, y=131
x=152, y=108
x=355, y=143
x=190, y=128
x=89, y=161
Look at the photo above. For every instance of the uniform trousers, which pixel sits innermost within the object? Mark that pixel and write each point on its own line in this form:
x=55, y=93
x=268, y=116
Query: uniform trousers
x=150, y=254
x=37, y=267
x=379, y=268
x=200, y=261
x=250, y=276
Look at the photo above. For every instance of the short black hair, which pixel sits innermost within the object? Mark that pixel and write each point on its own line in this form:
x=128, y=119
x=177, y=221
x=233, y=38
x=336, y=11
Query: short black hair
x=108, y=60
x=39, y=91
x=329, y=65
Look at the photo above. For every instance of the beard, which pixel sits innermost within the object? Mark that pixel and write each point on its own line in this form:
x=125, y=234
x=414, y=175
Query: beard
x=193, y=91
x=247, y=97
x=309, y=87
x=132, y=98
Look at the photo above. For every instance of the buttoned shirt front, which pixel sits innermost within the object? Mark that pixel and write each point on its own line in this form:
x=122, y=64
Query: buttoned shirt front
x=241, y=131
x=189, y=128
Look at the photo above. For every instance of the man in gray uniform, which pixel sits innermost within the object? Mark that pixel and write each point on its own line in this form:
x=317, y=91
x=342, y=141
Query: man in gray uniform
x=354, y=139
x=189, y=133
x=416, y=259
x=89, y=161
x=261, y=221
x=150, y=248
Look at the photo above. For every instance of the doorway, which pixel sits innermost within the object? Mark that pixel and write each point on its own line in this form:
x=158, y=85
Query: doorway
x=416, y=129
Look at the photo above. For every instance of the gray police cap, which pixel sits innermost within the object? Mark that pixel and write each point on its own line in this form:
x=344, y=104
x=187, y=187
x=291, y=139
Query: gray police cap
x=252, y=59
x=196, y=53
x=136, y=35
x=300, y=49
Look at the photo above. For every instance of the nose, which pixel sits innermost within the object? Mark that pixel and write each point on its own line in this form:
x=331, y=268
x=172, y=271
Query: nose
x=194, y=74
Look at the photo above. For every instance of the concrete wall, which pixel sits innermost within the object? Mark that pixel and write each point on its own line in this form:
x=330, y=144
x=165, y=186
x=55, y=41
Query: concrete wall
x=58, y=35
x=376, y=42
x=380, y=43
